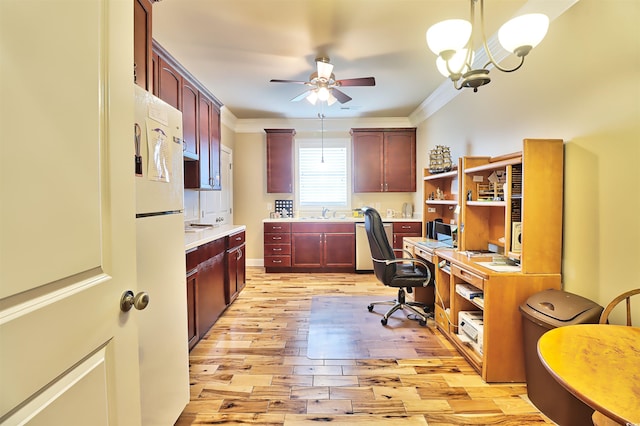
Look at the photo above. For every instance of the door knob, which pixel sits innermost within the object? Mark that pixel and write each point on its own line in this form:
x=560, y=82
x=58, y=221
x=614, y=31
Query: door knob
x=128, y=300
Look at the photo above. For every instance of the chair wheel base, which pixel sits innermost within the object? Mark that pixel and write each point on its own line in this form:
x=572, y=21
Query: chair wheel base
x=370, y=308
x=383, y=321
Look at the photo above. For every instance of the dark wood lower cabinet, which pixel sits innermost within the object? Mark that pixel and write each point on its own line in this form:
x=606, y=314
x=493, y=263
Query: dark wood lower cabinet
x=215, y=277
x=192, y=329
x=339, y=250
x=323, y=247
x=210, y=289
x=236, y=263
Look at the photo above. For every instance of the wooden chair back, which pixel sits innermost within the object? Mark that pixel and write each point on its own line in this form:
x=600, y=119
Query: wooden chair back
x=626, y=296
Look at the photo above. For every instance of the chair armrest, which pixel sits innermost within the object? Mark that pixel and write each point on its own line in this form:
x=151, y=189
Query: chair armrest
x=407, y=259
x=404, y=251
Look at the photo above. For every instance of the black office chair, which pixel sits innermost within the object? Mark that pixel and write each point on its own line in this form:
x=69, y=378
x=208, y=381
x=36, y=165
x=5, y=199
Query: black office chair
x=402, y=273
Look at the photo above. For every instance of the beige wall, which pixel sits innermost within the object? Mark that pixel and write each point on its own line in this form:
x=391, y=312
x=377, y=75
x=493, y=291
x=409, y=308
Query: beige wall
x=582, y=84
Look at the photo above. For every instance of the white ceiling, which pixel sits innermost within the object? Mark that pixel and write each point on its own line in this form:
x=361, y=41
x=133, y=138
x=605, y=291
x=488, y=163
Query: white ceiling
x=234, y=47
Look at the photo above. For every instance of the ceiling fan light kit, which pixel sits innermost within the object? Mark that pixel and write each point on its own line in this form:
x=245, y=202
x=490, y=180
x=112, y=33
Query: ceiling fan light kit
x=323, y=85
x=452, y=41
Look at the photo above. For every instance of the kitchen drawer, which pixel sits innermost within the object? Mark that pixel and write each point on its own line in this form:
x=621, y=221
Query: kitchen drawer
x=312, y=227
x=469, y=277
x=277, y=249
x=407, y=228
x=277, y=227
x=277, y=261
x=236, y=240
x=277, y=238
x=441, y=318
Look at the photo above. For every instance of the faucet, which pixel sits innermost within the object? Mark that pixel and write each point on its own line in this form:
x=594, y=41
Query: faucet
x=324, y=212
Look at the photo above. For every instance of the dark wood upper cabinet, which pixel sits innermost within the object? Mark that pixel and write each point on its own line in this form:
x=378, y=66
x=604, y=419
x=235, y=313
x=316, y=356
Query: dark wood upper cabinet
x=400, y=161
x=169, y=83
x=189, y=108
x=368, y=165
x=142, y=51
x=384, y=160
x=280, y=160
x=200, y=120
x=214, y=148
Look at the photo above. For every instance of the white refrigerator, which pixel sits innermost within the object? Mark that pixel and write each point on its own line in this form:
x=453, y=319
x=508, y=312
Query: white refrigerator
x=161, y=269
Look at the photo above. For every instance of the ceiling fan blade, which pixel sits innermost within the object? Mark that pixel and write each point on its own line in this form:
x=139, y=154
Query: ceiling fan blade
x=289, y=81
x=364, y=81
x=340, y=96
x=301, y=96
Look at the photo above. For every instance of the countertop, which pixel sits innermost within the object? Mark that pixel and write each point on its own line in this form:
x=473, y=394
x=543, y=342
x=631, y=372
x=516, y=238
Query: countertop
x=196, y=237
x=340, y=220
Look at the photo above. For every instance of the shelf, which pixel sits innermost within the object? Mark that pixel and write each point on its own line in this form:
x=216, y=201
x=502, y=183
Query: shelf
x=452, y=173
x=442, y=202
x=495, y=165
x=487, y=203
x=467, y=352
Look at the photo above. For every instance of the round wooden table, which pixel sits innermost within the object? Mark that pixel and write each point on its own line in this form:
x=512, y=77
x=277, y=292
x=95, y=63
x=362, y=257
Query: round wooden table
x=599, y=364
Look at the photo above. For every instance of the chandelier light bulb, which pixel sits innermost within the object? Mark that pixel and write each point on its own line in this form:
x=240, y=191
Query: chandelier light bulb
x=523, y=33
x=452, y=34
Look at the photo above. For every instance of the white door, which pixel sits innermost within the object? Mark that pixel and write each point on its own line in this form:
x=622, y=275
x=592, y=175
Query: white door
x=226, y=194
x=217, y=206
x=67, y=232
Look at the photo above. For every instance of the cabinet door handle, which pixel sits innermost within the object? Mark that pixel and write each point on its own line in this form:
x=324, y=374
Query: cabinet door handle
x=276, y=249
x=276, y=238
x=276, y=227
x=406, y=227
x=238, y=238
x=277, y=261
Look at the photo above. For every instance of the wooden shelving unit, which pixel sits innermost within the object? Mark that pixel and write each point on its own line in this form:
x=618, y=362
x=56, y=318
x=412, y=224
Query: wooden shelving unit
x=530, y=203
x=447, y=184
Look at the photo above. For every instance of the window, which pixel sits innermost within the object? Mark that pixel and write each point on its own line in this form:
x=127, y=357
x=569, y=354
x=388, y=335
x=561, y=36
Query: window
x=322, y=184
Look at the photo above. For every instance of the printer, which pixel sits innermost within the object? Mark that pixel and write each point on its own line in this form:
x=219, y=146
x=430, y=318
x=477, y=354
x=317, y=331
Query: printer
x=470, y=329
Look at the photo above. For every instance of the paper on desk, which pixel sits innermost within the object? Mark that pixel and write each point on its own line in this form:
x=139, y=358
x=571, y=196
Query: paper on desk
x=499, y=267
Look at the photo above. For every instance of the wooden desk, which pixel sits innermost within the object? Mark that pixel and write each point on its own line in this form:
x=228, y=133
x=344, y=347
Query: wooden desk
x=599, y=364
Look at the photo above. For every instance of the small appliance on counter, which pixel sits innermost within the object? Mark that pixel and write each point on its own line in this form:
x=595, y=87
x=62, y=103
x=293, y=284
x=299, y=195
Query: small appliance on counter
x=407, y=210
x=285, y=208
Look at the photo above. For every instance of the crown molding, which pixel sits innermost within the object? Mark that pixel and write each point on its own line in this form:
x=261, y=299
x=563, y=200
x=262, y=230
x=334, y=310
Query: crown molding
x=313, y=124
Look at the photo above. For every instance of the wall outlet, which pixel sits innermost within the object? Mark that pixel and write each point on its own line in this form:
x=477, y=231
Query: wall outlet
x=431, y=209
x=269, y=207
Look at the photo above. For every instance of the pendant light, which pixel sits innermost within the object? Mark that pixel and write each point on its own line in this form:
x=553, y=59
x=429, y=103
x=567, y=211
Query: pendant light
x=452, y=41
x=321, y=117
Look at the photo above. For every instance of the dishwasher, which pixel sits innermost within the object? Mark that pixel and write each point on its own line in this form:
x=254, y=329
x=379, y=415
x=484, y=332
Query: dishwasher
x=363, y=252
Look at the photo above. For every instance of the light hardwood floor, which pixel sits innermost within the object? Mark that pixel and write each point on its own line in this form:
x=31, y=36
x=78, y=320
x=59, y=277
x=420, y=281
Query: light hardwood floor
x=251, y=369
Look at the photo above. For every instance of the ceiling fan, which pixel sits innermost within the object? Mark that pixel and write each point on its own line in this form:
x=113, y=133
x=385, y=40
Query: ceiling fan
x=323, y=85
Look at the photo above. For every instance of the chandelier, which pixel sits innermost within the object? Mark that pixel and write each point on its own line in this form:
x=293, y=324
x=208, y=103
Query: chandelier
x=452, y=41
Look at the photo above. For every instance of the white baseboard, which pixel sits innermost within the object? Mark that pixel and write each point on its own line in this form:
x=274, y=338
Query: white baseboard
x=255, y=262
